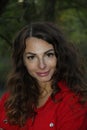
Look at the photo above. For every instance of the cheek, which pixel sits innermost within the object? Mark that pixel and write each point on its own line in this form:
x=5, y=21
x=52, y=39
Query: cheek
x=30, y=67
x=53, y=63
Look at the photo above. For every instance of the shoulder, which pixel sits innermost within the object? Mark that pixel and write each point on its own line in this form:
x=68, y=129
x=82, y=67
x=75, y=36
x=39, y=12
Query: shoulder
x=2, y=109
x=73, y=114
x=69, y=97
x=2, y=102
x=4, y=125
x=3, y=98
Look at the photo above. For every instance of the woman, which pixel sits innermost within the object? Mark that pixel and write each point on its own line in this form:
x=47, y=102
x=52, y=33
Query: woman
x=47, y=88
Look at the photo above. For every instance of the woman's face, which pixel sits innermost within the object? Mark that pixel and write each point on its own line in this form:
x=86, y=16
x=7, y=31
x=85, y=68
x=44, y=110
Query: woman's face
x=39, y=59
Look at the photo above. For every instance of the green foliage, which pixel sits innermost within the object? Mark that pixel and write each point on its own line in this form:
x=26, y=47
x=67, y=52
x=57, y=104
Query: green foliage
x=70, y=15
x=73, y=25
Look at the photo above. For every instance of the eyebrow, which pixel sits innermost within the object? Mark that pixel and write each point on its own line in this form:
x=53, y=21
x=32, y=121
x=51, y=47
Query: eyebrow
x=44, y=52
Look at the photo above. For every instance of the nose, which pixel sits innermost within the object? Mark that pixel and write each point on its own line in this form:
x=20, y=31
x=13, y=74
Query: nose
x=42, y=64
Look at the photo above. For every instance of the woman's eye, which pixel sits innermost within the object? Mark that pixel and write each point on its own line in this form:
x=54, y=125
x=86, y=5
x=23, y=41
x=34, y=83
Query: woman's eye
x=30, y=57
x=50, y=54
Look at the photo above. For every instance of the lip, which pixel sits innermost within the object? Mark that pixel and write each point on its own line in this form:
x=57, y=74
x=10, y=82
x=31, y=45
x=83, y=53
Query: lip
x=42, y=74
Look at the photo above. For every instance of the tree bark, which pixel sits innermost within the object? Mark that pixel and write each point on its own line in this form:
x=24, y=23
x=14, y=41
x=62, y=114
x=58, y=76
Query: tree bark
x=49, y=10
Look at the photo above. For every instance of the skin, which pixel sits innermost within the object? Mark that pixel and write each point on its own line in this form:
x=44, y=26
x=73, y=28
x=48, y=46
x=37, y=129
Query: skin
x=40, y=61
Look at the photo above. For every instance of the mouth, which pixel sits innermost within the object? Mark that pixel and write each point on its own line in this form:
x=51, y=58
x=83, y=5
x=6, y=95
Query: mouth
x=42, y=74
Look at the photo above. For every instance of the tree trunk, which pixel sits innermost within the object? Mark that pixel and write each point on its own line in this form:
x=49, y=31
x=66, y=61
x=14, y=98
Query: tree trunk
x=49, y=10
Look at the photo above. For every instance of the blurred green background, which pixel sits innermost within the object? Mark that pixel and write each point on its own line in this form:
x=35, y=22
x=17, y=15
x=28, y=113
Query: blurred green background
x=71, y=16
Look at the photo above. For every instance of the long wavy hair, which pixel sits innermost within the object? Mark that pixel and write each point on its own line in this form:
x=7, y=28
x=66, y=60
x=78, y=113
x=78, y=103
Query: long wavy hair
x=24, y=89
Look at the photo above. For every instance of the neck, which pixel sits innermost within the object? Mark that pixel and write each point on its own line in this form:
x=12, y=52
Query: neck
x=45, y=89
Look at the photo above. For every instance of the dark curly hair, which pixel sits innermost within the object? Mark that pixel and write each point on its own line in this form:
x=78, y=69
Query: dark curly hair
x=24, y=89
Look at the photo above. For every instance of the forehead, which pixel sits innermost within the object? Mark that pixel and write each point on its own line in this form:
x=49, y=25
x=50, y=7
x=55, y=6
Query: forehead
x=37, y=45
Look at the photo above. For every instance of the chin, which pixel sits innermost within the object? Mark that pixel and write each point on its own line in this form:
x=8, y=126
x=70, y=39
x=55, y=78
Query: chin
x=44, y=80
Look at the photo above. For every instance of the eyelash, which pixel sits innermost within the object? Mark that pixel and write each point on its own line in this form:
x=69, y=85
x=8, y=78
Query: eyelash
x=50, y=54
x=30, y=57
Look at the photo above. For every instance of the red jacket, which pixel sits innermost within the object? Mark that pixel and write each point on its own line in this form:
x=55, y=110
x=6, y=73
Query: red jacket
x=67, y=114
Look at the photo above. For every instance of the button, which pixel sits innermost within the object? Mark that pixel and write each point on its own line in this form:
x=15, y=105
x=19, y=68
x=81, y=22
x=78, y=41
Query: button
x=51, y=124
x=5, y=121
